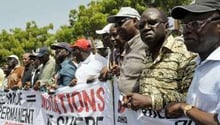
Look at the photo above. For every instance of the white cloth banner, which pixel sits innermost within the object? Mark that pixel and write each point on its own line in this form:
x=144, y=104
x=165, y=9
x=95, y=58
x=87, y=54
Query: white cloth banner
x=126, y=116
x=21, y=108
x=84, y=104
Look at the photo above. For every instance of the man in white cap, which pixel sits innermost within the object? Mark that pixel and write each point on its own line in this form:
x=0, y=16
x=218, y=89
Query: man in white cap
x=14, y=78
x=126, y=21
x=100, y=48
x=105, y=32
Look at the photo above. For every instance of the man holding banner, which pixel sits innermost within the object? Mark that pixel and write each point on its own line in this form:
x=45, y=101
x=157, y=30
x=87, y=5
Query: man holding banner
x=201, y=31
x=168, y=69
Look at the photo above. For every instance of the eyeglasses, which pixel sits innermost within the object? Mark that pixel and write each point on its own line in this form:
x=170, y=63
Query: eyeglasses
x=121, y=22
x=199, y=25
x=150, y=24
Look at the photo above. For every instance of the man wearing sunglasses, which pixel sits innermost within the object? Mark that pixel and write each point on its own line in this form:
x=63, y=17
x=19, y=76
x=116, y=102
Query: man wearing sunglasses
x=201, y=31
x=126, y=21
x=168, y=68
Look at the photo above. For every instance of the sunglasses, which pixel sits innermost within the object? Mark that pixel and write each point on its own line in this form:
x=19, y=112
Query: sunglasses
x=122, y=21
x=199, y=25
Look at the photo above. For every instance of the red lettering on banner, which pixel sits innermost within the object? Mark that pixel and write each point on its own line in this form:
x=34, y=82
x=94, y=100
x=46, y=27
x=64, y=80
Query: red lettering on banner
x=89, y=100
x=43, y=101
x=50, y=104
x=10, y=123
x=86, y=100
x=56, y=105
x=69, y=102
x=100, y=95
x=78, y=108
x=61, y=97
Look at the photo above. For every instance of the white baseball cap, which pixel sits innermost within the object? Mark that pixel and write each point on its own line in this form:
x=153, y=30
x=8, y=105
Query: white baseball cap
x=123, y=13
x=98, y=43
x=14, y=56
x=104, y=30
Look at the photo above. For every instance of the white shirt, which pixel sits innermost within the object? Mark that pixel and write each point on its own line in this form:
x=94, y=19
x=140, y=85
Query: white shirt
x=204, y=92
x=90, y=68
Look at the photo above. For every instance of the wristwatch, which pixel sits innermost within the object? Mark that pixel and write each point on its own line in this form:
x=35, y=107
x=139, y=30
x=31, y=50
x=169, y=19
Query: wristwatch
x=187, y=108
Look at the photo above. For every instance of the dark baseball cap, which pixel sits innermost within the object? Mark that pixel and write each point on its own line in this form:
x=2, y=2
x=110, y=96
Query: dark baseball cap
x=64, y=45
x=42, y=51
x=199, y=6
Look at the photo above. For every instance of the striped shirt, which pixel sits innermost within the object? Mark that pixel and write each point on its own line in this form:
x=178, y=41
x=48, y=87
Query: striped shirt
x=167, y=78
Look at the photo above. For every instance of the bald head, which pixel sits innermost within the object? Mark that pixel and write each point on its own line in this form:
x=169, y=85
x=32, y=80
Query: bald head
x=154, y=13
x=153, y=27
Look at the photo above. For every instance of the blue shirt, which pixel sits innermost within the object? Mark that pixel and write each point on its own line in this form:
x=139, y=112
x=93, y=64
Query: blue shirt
x=67, y=73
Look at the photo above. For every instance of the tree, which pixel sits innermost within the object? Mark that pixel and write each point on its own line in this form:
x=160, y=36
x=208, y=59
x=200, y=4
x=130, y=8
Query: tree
x=166, y=5
x=86, y=20
x=18, y=41
x=82, y=23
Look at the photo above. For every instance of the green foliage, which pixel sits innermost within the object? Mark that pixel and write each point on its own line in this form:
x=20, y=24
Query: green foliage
x=18, y=41
x=86, y=20
x=82, y=23
x=64, y=34
x=166, y=5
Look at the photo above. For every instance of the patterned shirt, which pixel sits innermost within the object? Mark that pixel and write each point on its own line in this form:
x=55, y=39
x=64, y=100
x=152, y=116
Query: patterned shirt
x=167, y=78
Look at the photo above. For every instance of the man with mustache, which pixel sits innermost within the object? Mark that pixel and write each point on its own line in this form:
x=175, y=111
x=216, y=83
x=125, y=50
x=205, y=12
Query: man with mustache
x=201, y=32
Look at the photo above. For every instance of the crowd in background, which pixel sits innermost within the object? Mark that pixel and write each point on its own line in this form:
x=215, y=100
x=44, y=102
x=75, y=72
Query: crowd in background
x=55, y=66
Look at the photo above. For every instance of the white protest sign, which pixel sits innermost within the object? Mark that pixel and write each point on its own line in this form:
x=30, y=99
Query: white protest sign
x=84, y=104
x=20, y=108
x=126, y=116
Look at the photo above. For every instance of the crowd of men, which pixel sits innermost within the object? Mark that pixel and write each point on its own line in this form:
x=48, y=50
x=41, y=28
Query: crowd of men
x=44, y=72
x=154, y=69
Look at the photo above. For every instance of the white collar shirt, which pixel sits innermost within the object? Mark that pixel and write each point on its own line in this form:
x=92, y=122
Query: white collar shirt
x=90, y=68
x=204, y=92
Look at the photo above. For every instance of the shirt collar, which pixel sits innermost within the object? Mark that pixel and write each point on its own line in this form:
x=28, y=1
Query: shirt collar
x=168, y=43
x=132, y=40
x=88, y=59
x=129, y=44
x=214, y=56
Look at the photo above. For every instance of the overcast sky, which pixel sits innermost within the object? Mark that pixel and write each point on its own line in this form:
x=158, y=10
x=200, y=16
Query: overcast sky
x=15, y=13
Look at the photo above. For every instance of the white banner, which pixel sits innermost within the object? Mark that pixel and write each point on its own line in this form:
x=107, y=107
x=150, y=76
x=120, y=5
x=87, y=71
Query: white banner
x=126, y=116
x=84, y=104
x=21, y=108
x=152, y=117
